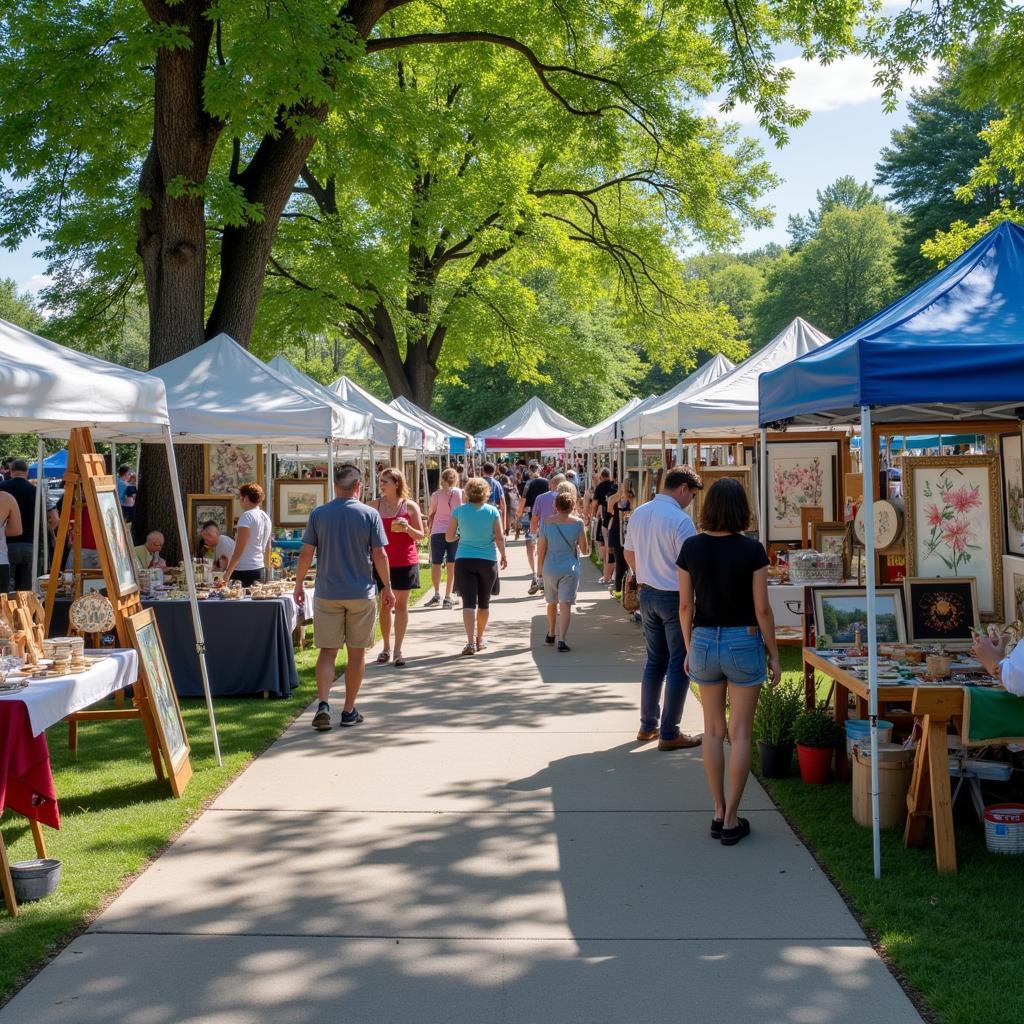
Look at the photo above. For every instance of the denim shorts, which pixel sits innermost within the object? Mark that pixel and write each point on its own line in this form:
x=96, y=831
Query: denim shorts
x=727, y=653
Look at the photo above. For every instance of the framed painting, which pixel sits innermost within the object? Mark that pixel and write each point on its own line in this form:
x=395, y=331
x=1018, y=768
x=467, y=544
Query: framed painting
x=113, y=543
x=799, y=473
x=941, y=610
x=832, y=539
x=842, y=612
x=954, y=523
x=204, y=508
x=1013, y=492
x=710, y=474
x=295, y=499
x=1013, y=588
x=156, y=676
x=227, y=466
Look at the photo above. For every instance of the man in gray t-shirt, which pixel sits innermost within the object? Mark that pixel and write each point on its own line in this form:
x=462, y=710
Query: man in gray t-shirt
x=348, y=540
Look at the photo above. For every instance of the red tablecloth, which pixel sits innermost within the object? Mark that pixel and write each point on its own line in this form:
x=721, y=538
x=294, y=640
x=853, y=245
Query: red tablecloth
x=26, y=784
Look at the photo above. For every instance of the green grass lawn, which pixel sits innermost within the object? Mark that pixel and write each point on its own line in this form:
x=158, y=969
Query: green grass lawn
x=115, y=816
x=955, y=938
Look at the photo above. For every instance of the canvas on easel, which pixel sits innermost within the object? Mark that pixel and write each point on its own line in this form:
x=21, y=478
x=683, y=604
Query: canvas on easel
x=114, y=550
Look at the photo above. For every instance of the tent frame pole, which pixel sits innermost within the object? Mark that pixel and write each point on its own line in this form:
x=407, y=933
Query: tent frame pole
x=190, y=577
x=867, y=447
x=40, y=510
x=762, y=488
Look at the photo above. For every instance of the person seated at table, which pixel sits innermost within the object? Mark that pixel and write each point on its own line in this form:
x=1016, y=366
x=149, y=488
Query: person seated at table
x=216, y=545
x=1008, y=669
x=252, y=538
x=148, y=553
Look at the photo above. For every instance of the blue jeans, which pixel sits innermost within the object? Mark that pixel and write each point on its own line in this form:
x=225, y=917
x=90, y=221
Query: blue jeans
x=666, y=654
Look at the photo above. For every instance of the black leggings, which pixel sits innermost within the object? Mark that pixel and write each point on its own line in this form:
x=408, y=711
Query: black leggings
x=620, y=566
x=5, y=579
x=247, y=577
x=474, y=580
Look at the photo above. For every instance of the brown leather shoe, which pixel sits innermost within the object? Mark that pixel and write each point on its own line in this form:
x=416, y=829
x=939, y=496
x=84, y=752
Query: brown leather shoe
x=681, y=742
x=645, y=735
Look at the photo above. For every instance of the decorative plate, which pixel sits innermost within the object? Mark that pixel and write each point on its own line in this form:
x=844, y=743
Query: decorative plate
x=92, y=613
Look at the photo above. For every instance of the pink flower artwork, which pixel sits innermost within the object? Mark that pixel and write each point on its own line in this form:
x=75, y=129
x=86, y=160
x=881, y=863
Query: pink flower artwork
x=951, y=517
x=795, y=482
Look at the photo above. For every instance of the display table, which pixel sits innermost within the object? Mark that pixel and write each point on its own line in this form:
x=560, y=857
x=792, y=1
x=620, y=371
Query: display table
x=248, y=644
x=937, y=705
x=26, y=782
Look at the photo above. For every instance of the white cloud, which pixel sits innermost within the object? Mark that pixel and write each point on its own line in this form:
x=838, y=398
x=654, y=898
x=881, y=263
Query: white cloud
x=36, y=283
x=826, y=87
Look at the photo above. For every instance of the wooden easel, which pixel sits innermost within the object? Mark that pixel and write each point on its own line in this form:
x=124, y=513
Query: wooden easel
x=87, y=475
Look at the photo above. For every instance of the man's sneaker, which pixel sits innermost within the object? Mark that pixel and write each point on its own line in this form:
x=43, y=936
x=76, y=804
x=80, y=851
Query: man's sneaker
x=322, y=718
x=435, y=600
x=351, y=717
x=535, y=585
x=447, y=603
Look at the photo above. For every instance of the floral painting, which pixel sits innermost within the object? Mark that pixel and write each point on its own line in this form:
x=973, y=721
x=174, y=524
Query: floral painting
x=228, y=466
x=798, y=475
x=953, y=523
x=1013, y=492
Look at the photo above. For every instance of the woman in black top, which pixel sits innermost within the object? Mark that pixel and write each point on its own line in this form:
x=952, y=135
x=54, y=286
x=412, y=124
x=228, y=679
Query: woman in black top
x=727, y=624
x=619, y=503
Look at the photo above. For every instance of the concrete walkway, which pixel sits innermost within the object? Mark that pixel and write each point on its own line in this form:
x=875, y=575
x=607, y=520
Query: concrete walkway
x=491, y=845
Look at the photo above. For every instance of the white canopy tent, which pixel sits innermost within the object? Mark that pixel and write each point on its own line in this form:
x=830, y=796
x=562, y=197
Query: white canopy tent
x=47, y=388
x=728, y=406
x=662, y=415
x=390, y=426
x=533, y=426
x=409, y=408
x=604, y=433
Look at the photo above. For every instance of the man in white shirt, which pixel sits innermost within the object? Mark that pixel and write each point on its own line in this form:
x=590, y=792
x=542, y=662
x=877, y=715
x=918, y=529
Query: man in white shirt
x=654, y=538
x=1008, y=669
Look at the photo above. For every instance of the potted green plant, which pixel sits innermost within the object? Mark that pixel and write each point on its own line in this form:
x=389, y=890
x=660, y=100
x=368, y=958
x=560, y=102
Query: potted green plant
x=776, y=711
x=817, y=734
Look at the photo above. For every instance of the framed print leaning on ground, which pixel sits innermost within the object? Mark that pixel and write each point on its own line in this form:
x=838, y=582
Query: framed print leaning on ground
x=800, y=473
x=842, y=612
x=954, y=523
x=156, y=675
x=941, y=610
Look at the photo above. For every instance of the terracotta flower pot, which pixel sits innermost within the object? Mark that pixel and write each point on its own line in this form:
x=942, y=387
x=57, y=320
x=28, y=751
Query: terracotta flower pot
x=814, y=762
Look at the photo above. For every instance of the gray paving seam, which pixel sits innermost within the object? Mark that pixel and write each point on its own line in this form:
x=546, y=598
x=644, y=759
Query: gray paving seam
x=512, y=812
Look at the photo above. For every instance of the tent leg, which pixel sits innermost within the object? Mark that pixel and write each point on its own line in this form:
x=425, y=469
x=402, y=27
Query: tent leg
x=40, y=510
x=179, y=512
x=867, y=447
x=330, y=465
x=762, y=486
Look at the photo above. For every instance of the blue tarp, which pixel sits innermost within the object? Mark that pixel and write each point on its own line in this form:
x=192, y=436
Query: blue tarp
x=919, y=442
x=957, y=339
x=54, y=466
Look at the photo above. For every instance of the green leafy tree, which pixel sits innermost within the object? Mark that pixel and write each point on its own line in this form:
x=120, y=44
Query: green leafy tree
x=928, y=161
x=19, y=308
x=735, y=282
x=423, y=256
x=844, y=192
x=838, y=278
x=947, y=245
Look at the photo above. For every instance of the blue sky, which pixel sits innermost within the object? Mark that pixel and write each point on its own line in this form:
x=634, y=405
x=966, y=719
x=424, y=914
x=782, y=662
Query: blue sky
x=845, y=133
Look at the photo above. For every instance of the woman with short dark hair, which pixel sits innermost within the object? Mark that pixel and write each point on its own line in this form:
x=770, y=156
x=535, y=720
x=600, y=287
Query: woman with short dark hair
x=727, y=625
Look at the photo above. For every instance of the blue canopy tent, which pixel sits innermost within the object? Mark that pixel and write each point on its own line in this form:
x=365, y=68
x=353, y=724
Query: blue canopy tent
x=950, y=351
x=54, y=466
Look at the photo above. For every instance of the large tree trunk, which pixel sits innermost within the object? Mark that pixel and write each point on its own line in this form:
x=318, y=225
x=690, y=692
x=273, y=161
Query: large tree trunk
x=172, y=236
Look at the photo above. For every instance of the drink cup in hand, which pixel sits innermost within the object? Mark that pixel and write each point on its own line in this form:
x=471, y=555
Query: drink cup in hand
x=401, y=524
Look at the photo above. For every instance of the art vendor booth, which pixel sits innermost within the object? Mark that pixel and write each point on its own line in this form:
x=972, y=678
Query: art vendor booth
x=222, y=397
x=532, y=429
x=45, y=679
x=948, y=358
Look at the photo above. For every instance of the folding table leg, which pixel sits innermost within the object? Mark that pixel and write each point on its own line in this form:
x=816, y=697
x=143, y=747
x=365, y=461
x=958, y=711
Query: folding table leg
x=6, y=882
x=37, y=838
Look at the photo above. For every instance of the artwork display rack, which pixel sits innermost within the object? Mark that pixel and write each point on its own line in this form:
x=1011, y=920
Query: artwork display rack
x=86, y=476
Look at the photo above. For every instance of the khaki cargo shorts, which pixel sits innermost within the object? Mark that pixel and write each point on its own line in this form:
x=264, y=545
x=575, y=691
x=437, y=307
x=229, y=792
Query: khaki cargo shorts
x=343, y=623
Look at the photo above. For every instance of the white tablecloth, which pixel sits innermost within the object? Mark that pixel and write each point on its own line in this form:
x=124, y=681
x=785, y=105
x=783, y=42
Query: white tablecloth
x=50, y=700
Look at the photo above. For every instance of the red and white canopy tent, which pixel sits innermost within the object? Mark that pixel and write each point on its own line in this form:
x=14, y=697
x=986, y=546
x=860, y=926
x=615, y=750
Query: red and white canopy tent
x=534, y=426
